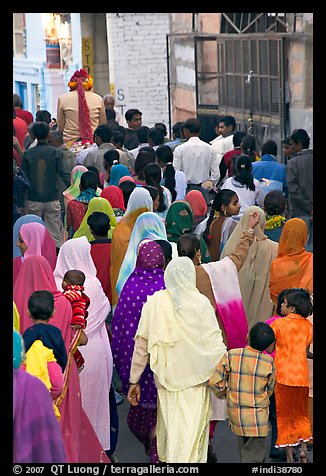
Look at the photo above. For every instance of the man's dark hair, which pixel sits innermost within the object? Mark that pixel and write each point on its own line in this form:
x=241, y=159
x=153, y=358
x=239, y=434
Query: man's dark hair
x=156, y=135
x=187, y=245
x=99, y=222
x=274, y=203
x=104, y=132
x=269, y=147
x=161, y=127
x=89, y=180
x=228, y=121
x=117, y=137
x=143, y=158
x=176, y=129
x=41, y=130
x=237, y=138
x=193, y=125
x=74, y=276
x=131, y=113
x=300, y=136
x=57, y=136
x=94, y=169
x=41, y=305
x=261, y=336
x=286, y=140
x=142, y=134
x=43, y=116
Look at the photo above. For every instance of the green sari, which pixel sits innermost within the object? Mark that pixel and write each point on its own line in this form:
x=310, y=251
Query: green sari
x=179, y=221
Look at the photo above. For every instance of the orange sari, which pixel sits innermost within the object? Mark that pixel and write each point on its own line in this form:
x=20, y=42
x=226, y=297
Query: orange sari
x=293, y=266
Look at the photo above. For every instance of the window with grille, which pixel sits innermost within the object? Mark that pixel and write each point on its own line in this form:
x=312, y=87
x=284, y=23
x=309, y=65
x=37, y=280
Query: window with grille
x=19, y=30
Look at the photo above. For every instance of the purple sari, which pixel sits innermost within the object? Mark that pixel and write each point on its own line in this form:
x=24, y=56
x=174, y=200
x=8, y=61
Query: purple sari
x=145, y=280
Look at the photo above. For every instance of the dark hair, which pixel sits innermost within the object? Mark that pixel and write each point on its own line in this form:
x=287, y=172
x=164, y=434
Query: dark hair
x=242, y=172
x=74, y=276
x=153, y=176
x=142, y=134
x=127, y=187
x=176, y=129
x=143, y=158
x=117, y=137
x=17, y=102
x=261, y=336
x=94, y=169
x=269, y=147
x=148, y=148
x=121, y=129
x=188, y=244
x=166, y=248
x=161, y=127
x=274, y=203
x=104, y=132
x=248, y=145
x=88, y=180
x=286, y=140
x=131, y=113
x=156, y=136
x=99, y=222
x=43, y=116
x=41, y=305
x=300, y=299
x=237, y=138
x=222, y=197
x=280, y=301
x=111, y=157
x=193, y=125
x=165, y=155
x=152, y=190
x=41, y=130
x=300, y=136
x=110, y=114
x=228, y=121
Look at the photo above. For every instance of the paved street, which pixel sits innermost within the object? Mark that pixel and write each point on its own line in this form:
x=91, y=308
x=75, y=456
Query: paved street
x=130, y=450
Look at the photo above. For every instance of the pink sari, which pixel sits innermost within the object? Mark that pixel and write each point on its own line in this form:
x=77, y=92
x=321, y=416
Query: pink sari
x=39, y=242
x=80, y=440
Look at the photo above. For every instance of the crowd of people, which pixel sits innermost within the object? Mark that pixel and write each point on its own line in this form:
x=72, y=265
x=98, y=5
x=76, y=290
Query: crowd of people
x=171, y=272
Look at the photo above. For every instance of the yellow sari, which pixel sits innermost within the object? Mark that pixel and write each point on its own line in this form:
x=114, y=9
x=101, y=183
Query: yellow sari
x=97, y=204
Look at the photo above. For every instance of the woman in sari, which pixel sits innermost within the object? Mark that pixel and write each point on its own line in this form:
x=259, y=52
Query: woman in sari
x=145, y=280
x=29, y=218
x=255, y=272
x=147, y=226
x=180, y=220
x=179, y=333
x=139, y=202
x=34, y=239
x=97, y=204
x=80, y=440
x=37, y=436
x=95, y=378
x=72, y=192
x=293, y=265
x=115, y=196
x=117, y=172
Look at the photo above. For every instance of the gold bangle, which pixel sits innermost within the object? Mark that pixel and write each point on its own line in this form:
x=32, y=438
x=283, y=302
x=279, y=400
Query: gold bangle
x=130, y=383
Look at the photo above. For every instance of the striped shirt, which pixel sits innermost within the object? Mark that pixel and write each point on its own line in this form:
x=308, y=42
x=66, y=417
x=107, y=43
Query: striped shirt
x=247, y=377
x=79, y=303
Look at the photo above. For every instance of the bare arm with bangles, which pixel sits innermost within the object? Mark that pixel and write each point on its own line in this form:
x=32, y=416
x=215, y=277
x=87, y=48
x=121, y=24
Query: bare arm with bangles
x=138, y=364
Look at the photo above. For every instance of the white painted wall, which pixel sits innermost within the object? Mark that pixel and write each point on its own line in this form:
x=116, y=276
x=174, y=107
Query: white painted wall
x=137, y=63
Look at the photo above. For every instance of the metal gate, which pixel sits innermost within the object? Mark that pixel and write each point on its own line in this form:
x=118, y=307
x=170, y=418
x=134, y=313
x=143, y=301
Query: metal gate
x=242, y=75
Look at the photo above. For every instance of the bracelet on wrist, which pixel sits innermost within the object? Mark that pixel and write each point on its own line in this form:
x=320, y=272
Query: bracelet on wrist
x=130, y=383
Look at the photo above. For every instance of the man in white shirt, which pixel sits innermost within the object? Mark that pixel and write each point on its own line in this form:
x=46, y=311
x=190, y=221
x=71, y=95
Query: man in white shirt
x=224, y=141
x=196, y=158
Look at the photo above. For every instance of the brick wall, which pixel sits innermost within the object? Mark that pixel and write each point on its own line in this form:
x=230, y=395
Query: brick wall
x=137, y=63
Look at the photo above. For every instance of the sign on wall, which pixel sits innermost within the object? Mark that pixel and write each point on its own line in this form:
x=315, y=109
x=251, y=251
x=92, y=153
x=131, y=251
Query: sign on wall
x=88, y=56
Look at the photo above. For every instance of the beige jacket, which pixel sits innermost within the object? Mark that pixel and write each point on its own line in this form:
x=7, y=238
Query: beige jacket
x=67, y=113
